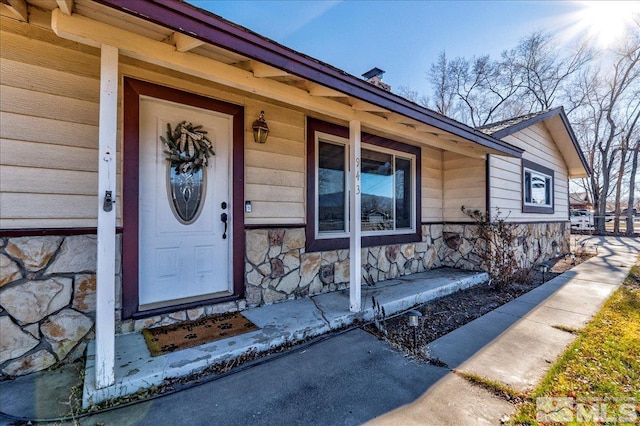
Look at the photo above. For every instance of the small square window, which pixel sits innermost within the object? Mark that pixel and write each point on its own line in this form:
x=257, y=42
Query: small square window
x=537, y=188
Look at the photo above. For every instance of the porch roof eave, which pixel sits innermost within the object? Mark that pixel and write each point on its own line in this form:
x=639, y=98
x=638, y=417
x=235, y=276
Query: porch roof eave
x=197, y=23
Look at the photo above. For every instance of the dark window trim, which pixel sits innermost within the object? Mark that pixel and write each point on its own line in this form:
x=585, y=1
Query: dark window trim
x=526, y=164
x=487, y=183
x=324, y=244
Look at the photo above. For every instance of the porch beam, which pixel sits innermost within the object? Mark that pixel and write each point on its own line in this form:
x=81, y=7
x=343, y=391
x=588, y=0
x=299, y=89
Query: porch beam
x=94, y=33
x=355, y=225
x=261, y=70
x=318, y=90
x=401, y=119
x=454, y=143
x=18, y=8
x=365, y=106
x=106, y=258
x=66, y=6
x=184, y=43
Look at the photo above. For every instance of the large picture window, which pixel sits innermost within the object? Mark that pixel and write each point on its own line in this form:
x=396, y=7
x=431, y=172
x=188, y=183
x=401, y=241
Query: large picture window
x=537, y=188
x=332, y=196
x=389, y=197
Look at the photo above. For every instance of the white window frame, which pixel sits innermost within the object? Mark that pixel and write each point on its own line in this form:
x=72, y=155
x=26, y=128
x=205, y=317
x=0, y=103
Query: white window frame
x=328, y=138
x=548, y=179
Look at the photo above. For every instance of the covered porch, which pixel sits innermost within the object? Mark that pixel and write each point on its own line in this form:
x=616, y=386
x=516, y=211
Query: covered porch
x=279, y=324
x=256, y=73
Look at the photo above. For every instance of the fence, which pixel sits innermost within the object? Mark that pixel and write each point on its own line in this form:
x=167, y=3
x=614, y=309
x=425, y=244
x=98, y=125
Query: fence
x=582, y=223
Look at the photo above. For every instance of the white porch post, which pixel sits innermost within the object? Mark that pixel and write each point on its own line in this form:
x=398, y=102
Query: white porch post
x=105, y=291
x=355, y=242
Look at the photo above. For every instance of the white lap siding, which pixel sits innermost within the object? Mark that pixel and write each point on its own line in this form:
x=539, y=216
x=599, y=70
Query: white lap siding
x=506, y=176
x=49, y=101
x=49, y=134
x=464, y=185
x=431, y=190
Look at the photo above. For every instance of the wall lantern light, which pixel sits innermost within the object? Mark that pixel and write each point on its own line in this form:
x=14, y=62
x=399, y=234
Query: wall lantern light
x=260, y=129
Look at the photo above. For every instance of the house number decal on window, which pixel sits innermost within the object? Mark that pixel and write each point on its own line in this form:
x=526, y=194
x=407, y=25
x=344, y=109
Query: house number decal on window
x=358, y=175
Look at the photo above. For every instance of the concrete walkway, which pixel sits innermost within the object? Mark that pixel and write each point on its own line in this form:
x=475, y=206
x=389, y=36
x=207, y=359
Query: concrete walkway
x=517, y=343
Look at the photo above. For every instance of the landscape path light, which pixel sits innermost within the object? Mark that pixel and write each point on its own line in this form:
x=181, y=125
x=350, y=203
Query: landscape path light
x=414, y=321
x=544, y=268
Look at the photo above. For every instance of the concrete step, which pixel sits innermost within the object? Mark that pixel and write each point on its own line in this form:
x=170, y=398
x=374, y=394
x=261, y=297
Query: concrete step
x=280, y=323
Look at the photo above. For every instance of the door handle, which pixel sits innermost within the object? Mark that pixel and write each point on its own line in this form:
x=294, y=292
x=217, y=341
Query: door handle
x=223, y=218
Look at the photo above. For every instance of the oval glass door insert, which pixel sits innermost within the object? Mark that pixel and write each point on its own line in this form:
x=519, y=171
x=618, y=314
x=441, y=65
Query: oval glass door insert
x=186, y=191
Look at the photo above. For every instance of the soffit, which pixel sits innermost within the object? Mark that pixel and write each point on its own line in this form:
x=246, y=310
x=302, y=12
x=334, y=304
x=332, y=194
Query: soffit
x=566, y=146
x=372, y=116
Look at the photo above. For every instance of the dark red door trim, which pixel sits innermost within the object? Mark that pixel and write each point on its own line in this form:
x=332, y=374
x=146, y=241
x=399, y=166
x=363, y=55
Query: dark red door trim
x=133, y=89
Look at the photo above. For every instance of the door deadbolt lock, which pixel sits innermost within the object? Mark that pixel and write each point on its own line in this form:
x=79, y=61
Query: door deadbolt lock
x=107, y=206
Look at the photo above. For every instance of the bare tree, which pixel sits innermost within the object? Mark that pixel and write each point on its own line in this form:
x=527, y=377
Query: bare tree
x=608, y=118
x=543, y=70
x=530, y=77
x=603, y=103
x=412, y=95
x=632, y=187
x=625, y=167
x=442, y=85
x=474, y=91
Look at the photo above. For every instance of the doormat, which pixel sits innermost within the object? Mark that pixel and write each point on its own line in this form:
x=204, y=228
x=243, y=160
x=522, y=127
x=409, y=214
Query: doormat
x=170, y=338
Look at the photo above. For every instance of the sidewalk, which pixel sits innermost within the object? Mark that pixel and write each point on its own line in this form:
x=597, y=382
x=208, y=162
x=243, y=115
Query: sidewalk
x=516, y=344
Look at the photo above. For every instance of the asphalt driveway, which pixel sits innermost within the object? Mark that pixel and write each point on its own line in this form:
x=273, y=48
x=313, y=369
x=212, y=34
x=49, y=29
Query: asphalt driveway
x=345, y=380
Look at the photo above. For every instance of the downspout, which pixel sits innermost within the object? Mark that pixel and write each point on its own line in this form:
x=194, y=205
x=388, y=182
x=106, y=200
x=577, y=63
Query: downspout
x=488, y=186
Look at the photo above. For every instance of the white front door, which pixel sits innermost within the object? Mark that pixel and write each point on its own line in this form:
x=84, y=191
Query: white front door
x=178, y=262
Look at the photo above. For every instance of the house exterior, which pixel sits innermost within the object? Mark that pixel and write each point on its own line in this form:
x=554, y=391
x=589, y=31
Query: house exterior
x=534, y=191
x=580, y=201
x=100, y=233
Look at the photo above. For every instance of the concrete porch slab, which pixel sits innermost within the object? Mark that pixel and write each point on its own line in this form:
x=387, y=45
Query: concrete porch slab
x=279, y=324
x=397, y=295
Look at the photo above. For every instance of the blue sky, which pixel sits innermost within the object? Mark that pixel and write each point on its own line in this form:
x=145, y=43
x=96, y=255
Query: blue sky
x=401, y=37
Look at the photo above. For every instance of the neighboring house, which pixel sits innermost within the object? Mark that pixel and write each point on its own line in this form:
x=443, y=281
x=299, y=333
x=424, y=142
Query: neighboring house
x=88, y=89
x=580, y=201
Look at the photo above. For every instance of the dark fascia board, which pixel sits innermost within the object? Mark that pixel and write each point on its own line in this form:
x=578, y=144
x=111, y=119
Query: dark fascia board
x=574, y=140
x=538, y=118
x=210, y=28
x=526, y=123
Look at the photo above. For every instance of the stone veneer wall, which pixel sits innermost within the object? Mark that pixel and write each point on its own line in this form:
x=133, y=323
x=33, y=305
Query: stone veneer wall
x=47, y=300
x=278, y=268
x=47, y=283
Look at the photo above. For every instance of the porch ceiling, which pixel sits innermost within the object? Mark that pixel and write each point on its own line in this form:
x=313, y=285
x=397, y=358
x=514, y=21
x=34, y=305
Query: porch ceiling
x=182, y=49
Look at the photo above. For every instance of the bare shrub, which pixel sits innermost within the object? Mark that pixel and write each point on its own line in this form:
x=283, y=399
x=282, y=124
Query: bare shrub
x=501, y=258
